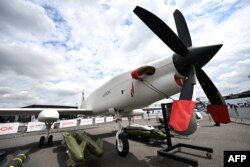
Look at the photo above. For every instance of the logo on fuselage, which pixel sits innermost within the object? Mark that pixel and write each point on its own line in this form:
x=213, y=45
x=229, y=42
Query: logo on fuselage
x=106, y=93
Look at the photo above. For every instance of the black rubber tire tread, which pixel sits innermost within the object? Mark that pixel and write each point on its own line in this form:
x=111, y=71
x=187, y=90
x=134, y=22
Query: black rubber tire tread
x=125, y=143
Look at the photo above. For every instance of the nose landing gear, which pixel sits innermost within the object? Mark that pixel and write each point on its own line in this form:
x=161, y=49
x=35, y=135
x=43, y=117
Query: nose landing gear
x=46, y=140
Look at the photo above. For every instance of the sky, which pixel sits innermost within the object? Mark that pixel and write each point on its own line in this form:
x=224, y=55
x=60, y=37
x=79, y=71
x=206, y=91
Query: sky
x=52, y=50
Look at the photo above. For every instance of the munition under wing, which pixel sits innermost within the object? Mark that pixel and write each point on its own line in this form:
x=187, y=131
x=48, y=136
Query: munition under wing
x=81, y=147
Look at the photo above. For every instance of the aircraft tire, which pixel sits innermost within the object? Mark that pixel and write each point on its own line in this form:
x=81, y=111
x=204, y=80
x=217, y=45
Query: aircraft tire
x=41, y=142
x=50, y=141
x=124, y=148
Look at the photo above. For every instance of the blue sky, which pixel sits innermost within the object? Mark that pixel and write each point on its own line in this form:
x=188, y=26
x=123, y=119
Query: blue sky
x=50, y=51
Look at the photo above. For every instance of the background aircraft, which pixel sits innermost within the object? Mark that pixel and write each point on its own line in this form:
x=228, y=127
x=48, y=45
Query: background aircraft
x=149, y=83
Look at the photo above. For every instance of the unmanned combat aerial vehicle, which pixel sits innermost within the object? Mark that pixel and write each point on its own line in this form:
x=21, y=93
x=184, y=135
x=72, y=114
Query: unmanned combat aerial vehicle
x=151, y=82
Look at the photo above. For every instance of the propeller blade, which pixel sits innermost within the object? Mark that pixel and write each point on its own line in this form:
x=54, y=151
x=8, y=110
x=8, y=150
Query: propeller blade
x=182, y=28
x=187, y=91
x=218, y=108
x=161, y=30
x=209, y=88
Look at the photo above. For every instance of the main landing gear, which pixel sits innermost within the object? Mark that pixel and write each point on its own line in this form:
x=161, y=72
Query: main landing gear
x=122, y=145
x=46, y=140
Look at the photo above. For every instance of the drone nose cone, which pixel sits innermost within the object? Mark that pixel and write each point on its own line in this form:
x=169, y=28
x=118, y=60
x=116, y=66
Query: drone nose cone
x=197, y=56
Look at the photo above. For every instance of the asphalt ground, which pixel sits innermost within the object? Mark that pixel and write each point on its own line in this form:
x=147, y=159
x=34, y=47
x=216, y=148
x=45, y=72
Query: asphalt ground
x=233, y=136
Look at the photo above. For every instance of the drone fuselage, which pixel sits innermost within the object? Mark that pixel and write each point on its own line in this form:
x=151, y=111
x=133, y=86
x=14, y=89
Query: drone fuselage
x=124, y=93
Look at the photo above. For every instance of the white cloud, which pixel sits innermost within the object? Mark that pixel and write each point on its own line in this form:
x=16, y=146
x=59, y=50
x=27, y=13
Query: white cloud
x=23, y=20
x=12, y=98
x=61, y=88
x=29, y=59
x=237, y=79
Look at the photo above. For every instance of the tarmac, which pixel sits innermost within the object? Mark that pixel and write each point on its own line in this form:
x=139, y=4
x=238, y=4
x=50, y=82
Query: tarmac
x=233, y=136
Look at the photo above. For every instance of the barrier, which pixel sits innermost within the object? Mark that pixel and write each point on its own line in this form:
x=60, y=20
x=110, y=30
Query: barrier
x=124, y=119
x=109, y=119
x=240, y=113
x=8, y=128
x=88, y=121
x=68, y=123
x=36, y=126
x=99, y=120
x=137, y=117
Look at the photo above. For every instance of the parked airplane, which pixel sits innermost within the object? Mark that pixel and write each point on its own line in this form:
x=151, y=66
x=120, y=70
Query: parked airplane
x=152, y=82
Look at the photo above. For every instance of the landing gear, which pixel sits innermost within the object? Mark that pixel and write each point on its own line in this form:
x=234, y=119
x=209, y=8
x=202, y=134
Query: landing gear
x=45, y=141
x=41, y=142
x=122, y=145
x=48, y=140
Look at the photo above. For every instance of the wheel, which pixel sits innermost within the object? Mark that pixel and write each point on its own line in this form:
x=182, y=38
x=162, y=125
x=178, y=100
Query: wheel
x=50, y=141
x=123, y=146
x=41, y=142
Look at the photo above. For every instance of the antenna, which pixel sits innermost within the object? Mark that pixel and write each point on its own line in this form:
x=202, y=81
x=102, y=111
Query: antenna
x=82, y=95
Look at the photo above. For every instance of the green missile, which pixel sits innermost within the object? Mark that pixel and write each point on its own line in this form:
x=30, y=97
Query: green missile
x=94, y=147
x=76, y=150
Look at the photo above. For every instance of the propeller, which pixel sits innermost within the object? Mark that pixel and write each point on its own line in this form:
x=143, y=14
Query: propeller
x=188, y=60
